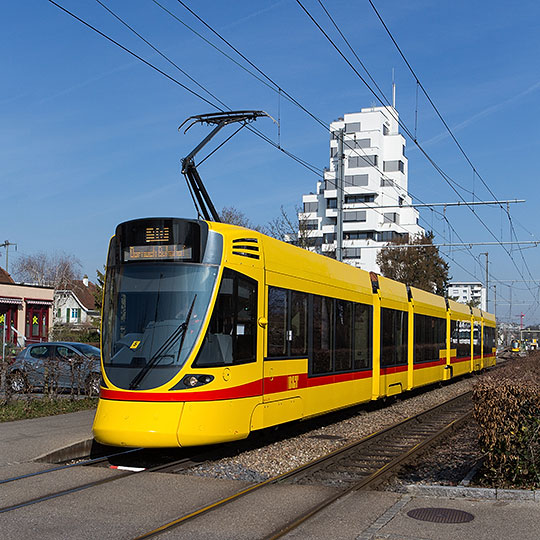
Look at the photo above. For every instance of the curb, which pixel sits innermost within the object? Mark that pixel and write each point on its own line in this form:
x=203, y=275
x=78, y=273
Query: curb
x=73, y=451
x=454, y=492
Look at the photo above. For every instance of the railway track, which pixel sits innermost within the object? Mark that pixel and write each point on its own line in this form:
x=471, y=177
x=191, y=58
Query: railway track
x=358, y=466
x=173, y=466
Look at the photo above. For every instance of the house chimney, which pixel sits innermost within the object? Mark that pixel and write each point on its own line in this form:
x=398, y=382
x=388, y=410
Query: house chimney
x=85, y=280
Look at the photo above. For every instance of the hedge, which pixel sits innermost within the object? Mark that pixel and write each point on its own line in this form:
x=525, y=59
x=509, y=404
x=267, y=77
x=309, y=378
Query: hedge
x=507, y=409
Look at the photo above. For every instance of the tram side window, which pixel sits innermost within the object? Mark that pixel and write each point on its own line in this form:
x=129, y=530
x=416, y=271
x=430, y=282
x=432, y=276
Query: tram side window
x=394, y=332
x=232, y=334
x=460, y=338
x=489, y=340
x=429, y=338
x=299, y=323
x=477, y=339
x=322, y=334
x=363, y=336
x=287, y=323
x=344, y=335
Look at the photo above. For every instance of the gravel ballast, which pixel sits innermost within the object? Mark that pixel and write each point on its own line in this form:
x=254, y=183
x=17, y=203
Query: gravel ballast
x=258, y=464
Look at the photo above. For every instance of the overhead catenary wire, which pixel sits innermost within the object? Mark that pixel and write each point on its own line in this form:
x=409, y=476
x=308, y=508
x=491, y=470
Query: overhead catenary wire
x=302, y=162
x=445, y=124
x=277, y=88
x=444, y=175
x=314, y=169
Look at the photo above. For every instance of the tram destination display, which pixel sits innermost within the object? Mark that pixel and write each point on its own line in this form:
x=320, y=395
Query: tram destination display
x=169, y=252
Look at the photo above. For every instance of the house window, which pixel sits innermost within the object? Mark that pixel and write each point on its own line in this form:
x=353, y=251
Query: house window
x=353, y=199
x=75, y=314
x=359, y=235
x=385, y=130
x=358, y=143
x=310, y=206
x=355, y=216
x=309, y=224
x=352, y=253
x=394, y=166
x=353, y=127
x=331, y=203
x=363, y=161
x=329, y=238
x=356, y=180
x=391, y=217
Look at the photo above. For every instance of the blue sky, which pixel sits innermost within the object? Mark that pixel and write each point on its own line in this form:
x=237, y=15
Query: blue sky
x=89, y=136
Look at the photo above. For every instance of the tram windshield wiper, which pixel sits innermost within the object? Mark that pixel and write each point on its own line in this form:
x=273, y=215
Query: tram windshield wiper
x=179, y=333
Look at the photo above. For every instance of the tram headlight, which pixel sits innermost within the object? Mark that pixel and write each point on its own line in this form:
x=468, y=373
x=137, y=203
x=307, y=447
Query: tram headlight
x=192, y=381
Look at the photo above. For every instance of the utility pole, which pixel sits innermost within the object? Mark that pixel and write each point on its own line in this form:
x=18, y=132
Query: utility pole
x=487, y=280
x=339, y=189
x=495, y=300
x=6, y=245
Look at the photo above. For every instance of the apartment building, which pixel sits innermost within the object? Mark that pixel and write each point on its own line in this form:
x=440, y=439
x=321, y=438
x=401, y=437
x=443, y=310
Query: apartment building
x=374, y=197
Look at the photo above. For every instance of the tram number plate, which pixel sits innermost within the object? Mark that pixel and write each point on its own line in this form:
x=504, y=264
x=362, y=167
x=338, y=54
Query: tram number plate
x=292, y=382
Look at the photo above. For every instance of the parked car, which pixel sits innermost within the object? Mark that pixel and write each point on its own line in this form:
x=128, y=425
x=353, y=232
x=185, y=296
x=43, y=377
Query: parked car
x=57, y=366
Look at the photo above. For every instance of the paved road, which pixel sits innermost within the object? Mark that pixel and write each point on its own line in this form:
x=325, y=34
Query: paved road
x=131, y=506
x=24, y=440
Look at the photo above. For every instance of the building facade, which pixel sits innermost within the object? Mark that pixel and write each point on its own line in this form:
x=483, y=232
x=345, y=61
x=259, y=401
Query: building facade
x=468, y=292
x=76, y=304
x=25, y=312
x=375, y=201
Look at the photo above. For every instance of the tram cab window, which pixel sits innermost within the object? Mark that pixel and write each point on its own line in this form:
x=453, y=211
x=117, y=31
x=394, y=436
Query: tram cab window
x=231, y=337
x=394, y=337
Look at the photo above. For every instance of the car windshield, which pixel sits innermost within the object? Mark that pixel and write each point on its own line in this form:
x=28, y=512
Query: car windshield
x=153, y=314
x=87, y=350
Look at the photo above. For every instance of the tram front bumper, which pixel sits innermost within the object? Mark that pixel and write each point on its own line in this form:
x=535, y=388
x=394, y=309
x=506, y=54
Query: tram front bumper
x=137, y=423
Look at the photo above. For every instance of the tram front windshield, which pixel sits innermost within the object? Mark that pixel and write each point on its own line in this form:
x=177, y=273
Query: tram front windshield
x=152, y=317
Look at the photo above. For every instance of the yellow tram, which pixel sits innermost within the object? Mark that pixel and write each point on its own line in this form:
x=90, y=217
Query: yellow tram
x=211, y=331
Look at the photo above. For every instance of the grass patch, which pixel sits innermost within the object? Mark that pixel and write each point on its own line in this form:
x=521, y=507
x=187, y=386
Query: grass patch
x=22, y=409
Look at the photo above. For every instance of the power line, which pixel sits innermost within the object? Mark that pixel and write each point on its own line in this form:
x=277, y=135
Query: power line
x=418, y=82
x=444, y=175
x=278, y=87
x=299, y=160
x=302, y=162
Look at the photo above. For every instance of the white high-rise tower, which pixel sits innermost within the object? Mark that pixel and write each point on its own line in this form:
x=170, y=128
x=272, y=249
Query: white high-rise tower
x=375, y=201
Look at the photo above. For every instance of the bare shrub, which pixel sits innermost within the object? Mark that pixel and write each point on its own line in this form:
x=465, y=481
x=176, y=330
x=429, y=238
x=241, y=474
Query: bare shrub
x=507, y=409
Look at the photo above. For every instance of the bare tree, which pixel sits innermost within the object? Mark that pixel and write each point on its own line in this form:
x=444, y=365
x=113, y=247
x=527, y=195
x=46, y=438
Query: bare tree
x=284, y=227
x=233, y=216
x=293, y=230
x=57, y=270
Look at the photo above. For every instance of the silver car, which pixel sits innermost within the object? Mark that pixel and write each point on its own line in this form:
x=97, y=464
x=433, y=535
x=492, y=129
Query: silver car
x=57, y=366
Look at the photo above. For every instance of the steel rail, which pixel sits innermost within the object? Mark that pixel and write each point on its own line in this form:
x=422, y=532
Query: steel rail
x=69, y=465
x=369, y=481
x=164, y=467
x=316, y=464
